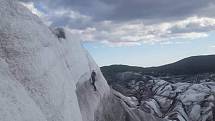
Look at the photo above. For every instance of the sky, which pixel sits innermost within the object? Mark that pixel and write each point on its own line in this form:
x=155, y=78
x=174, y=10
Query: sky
x=134, y=32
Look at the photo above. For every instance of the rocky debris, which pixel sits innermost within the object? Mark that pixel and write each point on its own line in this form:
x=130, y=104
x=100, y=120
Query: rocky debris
x=182, y=101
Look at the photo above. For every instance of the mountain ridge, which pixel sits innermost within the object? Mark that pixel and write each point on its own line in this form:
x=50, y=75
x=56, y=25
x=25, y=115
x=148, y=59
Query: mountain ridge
x=189, y=65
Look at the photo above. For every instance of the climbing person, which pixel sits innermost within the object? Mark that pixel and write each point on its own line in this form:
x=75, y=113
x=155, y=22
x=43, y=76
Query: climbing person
x=93, y=78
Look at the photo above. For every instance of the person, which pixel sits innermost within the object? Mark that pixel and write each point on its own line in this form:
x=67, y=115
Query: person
x=93, y=78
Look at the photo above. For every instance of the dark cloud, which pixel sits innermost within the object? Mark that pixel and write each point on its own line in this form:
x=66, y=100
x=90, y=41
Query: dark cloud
x=157, y=9
x=124, y=10
x=130, y=22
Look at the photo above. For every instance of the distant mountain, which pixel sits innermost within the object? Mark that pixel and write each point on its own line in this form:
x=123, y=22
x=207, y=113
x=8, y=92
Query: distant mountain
x=188, y=66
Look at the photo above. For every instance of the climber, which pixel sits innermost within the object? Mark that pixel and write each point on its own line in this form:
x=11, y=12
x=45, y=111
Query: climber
x=93, y=78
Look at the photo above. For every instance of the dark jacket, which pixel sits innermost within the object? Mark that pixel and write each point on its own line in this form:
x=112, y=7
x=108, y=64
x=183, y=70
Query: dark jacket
x=93, y=76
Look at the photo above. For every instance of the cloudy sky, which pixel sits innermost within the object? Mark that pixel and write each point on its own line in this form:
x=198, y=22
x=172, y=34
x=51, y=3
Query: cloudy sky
x=134, y=32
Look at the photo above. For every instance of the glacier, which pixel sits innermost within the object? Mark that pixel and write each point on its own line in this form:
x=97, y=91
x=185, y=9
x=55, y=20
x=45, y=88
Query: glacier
x=45, y=76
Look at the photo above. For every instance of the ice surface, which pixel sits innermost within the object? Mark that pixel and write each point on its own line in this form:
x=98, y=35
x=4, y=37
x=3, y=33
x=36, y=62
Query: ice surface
x=36, y=64
x=182, y=101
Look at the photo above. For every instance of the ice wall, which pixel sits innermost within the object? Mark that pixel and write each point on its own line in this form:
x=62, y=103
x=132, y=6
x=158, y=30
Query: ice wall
x=37, y=82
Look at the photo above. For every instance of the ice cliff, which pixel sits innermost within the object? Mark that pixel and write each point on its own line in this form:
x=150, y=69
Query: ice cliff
x=44, y=75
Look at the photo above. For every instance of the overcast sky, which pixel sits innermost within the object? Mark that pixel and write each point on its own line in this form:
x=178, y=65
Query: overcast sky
x=155, y=31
